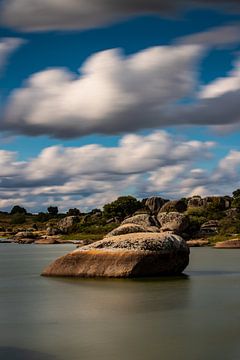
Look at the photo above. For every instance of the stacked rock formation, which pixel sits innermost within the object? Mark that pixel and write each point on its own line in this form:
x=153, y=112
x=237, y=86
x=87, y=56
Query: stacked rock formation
x=137, y=248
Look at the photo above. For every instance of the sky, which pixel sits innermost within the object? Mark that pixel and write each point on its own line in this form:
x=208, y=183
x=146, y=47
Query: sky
x=101, y=98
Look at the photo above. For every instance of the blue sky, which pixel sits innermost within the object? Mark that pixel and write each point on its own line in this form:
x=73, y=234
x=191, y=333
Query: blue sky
x=203, y=42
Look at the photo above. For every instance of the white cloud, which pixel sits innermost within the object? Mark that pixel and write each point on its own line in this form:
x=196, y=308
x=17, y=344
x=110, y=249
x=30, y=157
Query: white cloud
x=112, y=94
x=218, y=36
x=7, y=47
x=32, y=15
x=221, y=86
x=116, y=94
x=92, y=175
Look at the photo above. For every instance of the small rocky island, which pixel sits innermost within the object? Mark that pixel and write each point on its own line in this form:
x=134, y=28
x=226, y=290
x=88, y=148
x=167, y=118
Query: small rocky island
x=136, y=248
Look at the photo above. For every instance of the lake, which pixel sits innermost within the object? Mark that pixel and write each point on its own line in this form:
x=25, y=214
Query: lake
x=193, y=317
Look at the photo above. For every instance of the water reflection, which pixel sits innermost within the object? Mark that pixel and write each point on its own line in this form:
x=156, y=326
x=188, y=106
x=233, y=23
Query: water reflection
x=14, y=353
x=127, y=295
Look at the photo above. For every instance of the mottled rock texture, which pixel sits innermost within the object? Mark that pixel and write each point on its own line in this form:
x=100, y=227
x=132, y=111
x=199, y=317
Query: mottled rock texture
x=173, y=221
x=125, y=256
x=228, y=244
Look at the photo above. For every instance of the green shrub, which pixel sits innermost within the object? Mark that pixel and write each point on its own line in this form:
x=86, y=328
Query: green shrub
x=18, y=219
x=122, y=207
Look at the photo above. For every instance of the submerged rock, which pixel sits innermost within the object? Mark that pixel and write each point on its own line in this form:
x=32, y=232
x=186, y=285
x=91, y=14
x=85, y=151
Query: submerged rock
x=48, y=241
x=198, y=243
x=228, y=244
x=124, y=256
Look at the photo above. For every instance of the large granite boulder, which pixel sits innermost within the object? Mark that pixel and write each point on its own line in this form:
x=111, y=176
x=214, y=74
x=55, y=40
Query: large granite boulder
x=67, y=224
x=52, y=231
x=125, y=256
x=209, y=228
x=173, y=221
x=155, y=203
x=142, y=220
x=175, y=205
x=195, y=202
x=131, y=228
x=221, y=202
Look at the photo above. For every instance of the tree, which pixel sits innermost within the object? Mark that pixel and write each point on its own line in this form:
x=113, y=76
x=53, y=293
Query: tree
x=18, y=210
x=53, y=210
x=42, y=217
x=73, y=212
x=236, y=199
x=122, y=207
x=236, y=193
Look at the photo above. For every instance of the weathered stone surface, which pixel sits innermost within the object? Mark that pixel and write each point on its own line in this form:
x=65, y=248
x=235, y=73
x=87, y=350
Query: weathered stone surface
x=209, y=227
x=131, y=228
x=232, y=213
x=195, y=201
x=228, y=244
x=24, y=235
x=67, y=224
x=47, y=241
x=51, y=231
x=173, y=221
x=222, y=202
x=142, y=220
x=154, y=204
x=174, y=206
x=132, y=255
x=198, y=243
x=25, y=241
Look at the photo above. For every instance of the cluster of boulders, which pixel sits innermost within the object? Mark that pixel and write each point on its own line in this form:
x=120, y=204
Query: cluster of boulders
x=143, y=245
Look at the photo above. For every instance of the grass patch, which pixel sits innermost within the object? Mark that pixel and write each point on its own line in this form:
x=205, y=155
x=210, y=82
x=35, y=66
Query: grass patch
x=82, y=236
x=219, y=237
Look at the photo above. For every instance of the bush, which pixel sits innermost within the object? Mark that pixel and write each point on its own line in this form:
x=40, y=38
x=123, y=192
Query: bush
x=18, y=210
x=42, y=217
x=229, y=226
x=18, y=219
x=53, y=210
x=122, y=207
x=73, y=212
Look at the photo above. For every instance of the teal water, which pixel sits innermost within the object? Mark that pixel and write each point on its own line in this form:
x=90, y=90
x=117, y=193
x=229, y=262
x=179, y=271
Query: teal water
x=194, y=317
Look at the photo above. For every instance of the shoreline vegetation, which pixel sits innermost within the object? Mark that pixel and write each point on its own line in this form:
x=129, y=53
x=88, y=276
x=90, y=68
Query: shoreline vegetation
x=200, y=221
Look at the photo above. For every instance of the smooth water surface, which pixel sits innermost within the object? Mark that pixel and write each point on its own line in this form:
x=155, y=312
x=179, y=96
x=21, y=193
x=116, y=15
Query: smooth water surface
x=194, y=317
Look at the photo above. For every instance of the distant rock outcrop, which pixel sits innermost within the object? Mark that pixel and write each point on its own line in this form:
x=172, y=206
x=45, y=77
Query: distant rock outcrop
x=142, y=220
x=125, y=256
x=209, y=228
x=67, y=224
x=173, y=221
x=175, y=205
x=228, y=244
x=155, y=203
x=195, y=201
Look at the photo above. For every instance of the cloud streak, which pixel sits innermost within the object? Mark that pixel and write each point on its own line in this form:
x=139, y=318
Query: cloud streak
x=114, y=94
x=7, y=47
x=31, y=15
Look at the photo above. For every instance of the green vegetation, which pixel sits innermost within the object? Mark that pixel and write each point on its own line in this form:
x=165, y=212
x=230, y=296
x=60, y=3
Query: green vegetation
x=219, y=217
x=122, y=207
x=18, y=219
